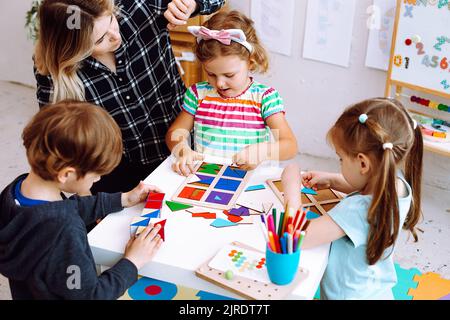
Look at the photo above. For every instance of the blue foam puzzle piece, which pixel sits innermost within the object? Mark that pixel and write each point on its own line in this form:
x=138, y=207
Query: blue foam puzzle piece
x=154, y=214
x=309, y=191
x=312, y=215
x=405, y=281
x=255, y=188
x=220, y=223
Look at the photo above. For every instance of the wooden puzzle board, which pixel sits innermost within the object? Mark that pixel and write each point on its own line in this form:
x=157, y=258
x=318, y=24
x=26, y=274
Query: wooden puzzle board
x=249, y=288
x=218, y=187
x=324, y=201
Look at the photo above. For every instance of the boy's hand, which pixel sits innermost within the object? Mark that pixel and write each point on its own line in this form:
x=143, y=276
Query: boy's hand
x=178, y=12
x=184, y=163
x=138, y=194
x=317, y=180
x=142, y=248
x=251, y=156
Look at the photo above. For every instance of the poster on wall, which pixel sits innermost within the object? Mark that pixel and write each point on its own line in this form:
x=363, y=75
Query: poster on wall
x=380, y=23
x=329, y=30
x=274, y=21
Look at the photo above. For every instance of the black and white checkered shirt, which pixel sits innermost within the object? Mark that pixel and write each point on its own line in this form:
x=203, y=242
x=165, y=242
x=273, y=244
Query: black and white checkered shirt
x=145, y=94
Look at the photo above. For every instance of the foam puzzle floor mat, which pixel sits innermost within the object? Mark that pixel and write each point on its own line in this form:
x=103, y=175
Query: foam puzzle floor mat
x=411, y=285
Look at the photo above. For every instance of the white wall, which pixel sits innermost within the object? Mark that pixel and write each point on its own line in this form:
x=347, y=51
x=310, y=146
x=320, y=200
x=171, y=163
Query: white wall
x=315, y=93
x=16, y=49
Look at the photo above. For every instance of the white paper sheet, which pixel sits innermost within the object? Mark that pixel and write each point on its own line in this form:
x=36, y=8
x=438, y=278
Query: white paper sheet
x=381, y=19
x=274, y=22
x=328, y=32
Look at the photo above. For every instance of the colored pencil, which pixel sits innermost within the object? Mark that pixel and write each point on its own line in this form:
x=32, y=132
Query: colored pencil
x=297, y=215
x=263, y=229
x=270, y=224
x=296, y=238
x=274, y=214
x=283, y=244
x=277, y=243
x=280, y=225
x=290, y=244
x=300, y=241
x=272, y=245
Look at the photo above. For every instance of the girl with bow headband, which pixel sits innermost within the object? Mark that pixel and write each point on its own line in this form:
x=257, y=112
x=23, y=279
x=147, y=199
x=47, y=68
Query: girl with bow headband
x=232, y=115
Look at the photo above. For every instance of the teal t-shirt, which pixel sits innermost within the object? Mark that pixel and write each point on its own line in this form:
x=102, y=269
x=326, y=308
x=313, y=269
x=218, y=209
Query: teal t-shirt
x=348, y=275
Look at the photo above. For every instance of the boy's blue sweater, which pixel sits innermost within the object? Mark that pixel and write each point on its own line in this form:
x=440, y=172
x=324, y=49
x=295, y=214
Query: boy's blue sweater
x=43, y=247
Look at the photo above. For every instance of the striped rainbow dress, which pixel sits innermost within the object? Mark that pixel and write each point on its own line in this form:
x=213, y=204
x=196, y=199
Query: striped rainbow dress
x=223, y=126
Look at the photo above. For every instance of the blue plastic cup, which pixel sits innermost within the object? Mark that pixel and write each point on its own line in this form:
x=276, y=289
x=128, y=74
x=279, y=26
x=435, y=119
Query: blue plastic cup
x=282, y=268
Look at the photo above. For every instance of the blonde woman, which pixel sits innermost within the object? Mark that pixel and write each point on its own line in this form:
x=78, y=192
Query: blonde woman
x=118, y=56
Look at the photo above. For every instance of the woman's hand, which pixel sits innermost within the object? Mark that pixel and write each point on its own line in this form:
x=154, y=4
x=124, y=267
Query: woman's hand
x=178, y=12
x=184, y=163
x=138, y=194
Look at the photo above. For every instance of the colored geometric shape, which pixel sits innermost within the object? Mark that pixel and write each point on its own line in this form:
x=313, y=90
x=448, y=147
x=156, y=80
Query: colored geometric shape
x=241, y=211
x=205, y=215
x=155, y=196
x=219, y=198
x=405, y=281
x=430, y=287
x=234, y=219
x=140, y=222
x=204, y=181
x=153, y=290
x=140, y=290
x=221, y=223
x=234, y=173
x=176, y=206
x=312, y=215
x=150, y=213
x=227, y=184
x=255, y=188
x=210, y=168
x=153, y=205
x=191, y=193
x=162, y=223
x=212, y=296
x=309, y=191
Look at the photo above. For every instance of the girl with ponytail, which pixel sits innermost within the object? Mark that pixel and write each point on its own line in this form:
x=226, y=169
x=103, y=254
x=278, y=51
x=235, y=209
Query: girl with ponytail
x=380, y=149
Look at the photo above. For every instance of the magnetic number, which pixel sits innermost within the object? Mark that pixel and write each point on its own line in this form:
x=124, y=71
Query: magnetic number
x=444, y=64
x=419, y=46
x=398, y=60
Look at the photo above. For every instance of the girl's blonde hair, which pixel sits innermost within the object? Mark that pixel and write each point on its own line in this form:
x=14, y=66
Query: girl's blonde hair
x=61, y=47
x=206, y=50
x=388, y=121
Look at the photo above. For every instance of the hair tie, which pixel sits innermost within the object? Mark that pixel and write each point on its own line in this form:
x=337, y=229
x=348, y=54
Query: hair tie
x=363, y=118
x=388, y=145
x=415, y=124
x=223, y=36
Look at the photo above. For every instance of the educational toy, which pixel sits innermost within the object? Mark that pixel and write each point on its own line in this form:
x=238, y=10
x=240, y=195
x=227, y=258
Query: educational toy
x=250, y=279
x=150, y=214
x=221, y=223
x=321, y=203
x=212, y=185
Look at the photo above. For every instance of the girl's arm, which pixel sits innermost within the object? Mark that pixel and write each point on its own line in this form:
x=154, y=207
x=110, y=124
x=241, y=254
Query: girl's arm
x=177, y=139
x=284, y=148
x=321, y=231
x=290, y=180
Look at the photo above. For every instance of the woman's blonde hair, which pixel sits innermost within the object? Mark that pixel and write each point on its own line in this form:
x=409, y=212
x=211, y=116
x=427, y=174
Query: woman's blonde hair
x=206, y=50
x=65, y=40
x=388, y=122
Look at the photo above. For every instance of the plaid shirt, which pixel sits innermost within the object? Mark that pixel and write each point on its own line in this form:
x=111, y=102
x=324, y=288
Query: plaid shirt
x=145, y=94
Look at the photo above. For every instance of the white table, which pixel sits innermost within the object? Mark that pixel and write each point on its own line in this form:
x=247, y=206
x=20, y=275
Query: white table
x=192, y=241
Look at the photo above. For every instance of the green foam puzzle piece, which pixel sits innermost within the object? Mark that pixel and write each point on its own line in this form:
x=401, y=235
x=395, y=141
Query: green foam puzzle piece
x=176, y=206
x=405, y=281
x=209, y=168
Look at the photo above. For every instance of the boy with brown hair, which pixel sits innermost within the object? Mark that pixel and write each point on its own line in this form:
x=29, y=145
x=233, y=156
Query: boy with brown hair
x=44, y=250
